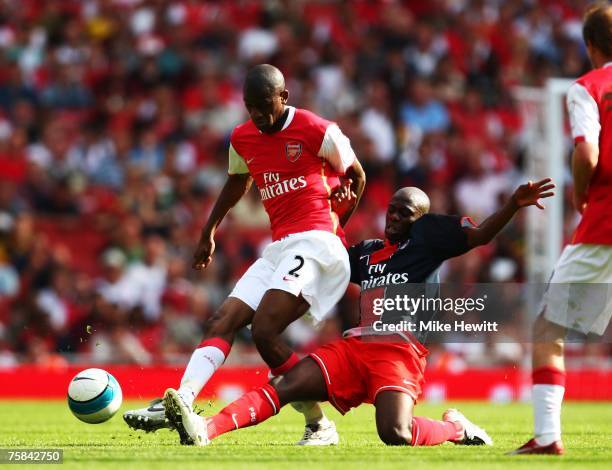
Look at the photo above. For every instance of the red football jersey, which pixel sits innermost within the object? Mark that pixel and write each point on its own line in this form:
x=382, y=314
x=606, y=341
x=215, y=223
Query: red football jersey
x=590, y=110
x=295, y=170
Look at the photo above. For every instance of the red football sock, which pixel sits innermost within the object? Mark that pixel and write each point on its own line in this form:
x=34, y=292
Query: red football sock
x=548, y=375
x=285, y=366
x=430, y=432
x=218, y=343
x=250, y=409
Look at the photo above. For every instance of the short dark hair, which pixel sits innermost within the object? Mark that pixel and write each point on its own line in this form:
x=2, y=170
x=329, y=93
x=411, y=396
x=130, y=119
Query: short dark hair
x=264, y=80
x=597, y=28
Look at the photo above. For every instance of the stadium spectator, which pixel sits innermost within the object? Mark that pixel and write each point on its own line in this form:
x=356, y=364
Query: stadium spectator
x=114, y=287
x=148, y=277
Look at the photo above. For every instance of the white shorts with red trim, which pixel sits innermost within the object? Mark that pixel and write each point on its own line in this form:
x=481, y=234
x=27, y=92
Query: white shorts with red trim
x=579, y=295
x=313, y=264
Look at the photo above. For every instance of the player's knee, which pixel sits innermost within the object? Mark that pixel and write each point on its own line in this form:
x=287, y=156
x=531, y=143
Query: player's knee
x=262, y=332
x=218, y=326
x=396, y=434
x=548, y=339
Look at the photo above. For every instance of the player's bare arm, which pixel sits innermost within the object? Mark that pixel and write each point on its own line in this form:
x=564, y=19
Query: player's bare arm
x=352, y=188
x=525, y=195
x=584, y=163
x=235, y=187
x=345, y=199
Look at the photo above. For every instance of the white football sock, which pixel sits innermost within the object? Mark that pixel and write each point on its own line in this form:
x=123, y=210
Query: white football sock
x=313, y=414
x=547, y=401
x=202, y=365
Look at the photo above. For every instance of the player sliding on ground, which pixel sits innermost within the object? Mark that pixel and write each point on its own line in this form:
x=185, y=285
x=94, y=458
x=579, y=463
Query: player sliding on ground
x=366, y=367
x=577, y=296
x=296, y=160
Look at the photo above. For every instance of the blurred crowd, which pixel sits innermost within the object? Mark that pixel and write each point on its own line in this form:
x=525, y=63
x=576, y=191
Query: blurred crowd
x=114, y=124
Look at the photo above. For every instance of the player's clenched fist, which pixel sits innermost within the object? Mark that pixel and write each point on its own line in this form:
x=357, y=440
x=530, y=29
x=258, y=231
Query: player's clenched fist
x=203, y=254
x=530, y=194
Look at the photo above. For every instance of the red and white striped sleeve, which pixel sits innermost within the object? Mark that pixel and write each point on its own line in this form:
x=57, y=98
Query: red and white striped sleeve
x=583, y=115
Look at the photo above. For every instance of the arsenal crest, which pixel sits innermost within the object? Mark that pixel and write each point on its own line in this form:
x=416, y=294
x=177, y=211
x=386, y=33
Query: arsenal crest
x=293, y=150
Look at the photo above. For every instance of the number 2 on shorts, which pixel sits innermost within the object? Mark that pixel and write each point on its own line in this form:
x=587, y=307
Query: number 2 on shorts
x=294, y=271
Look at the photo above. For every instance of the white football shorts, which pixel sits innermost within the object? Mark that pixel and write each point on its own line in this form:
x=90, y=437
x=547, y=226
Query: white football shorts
x=579, y=294
x=314, y=264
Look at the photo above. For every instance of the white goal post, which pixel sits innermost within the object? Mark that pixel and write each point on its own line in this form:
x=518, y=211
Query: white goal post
x=547, y=145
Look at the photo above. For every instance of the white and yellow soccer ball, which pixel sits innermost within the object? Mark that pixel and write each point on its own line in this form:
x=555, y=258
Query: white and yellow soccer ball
x=94, y=396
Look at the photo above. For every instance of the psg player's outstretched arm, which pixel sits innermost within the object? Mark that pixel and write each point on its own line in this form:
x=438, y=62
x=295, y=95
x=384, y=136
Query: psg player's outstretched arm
x=235, y=187
x=525, y=195
x=584, y=162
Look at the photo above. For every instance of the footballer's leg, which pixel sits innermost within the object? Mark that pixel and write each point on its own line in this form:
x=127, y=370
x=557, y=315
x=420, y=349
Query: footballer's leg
x=219, y=334
x=210, y=354
x=277, y=310
x=303, y=382
x=394, y=378
x=548, y=366
x=396, y=424
x=236, y=312
x=394, y=417
x=577, y=298
x=548, y=388
x=304, y=388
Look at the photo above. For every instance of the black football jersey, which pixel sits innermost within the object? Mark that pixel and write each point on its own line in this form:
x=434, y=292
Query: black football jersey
x=410, y=268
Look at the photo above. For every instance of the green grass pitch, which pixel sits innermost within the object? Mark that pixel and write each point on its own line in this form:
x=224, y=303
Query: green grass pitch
x=587, y=437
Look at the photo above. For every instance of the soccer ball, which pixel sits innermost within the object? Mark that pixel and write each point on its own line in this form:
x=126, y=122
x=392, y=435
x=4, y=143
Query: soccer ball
x=94, y=396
